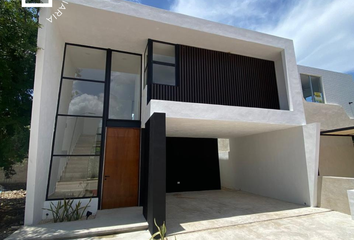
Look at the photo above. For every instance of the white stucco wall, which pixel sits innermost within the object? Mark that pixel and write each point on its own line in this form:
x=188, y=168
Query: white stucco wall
x=46, y=85
x=338, y=87
x=334, y=193
x=336, y=156
x=282, y=82
x=331, y=116
x=139, y=22
x=280, y=164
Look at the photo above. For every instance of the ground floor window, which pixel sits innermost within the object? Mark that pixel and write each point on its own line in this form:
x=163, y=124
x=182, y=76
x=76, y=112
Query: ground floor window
x=97, y=86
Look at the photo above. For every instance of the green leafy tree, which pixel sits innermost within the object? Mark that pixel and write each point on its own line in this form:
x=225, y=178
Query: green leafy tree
x=18, y=46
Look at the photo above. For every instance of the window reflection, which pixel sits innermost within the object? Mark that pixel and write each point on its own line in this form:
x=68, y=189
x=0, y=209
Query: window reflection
x=85, y=63
x=312, y=88
x=164, y=75
x=77, y=136
x=124, y=98
x=164, y=52
x=73, y=177
x=81, y=98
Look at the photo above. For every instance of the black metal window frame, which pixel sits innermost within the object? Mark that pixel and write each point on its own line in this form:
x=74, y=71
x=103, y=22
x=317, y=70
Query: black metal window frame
x=112, y=122
x=146, y=64
x=152, y=62
x=149, y=51
x=105, y=121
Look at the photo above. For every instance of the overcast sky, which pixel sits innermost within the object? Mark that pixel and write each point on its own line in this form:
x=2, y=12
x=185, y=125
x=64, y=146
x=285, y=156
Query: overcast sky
x=322, y=30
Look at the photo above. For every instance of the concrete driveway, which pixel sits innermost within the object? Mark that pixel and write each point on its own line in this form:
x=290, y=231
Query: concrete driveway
x=238, y=215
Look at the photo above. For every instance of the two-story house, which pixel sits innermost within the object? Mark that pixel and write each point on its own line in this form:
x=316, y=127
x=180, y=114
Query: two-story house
x=129, y=102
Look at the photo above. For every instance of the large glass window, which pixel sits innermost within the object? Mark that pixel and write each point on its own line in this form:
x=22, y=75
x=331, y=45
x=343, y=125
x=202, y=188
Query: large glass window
x=77, y=142
x=312, y=88
x=82, y=114
x=124, y=96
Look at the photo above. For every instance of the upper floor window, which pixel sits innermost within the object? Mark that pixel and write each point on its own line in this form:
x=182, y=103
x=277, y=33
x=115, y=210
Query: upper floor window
x=162, y=63
x=312, y=88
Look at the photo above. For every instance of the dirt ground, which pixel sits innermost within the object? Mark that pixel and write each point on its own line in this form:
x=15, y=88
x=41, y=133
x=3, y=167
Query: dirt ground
x=12, y=209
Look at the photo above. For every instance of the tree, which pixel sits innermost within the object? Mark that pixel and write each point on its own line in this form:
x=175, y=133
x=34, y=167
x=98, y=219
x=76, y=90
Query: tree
x=18, y=46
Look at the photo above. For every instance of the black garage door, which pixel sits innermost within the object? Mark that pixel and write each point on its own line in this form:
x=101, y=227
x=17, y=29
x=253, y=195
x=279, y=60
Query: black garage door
x=192, y=164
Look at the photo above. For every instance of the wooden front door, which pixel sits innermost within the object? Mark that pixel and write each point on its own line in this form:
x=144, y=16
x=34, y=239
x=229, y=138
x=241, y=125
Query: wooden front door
x=121, y=168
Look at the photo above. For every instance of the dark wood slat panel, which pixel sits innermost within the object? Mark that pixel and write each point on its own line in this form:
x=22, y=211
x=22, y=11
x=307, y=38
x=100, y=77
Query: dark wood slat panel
x=213, y=77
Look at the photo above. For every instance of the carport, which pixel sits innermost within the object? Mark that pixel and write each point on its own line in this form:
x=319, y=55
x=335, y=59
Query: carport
x=184, y=173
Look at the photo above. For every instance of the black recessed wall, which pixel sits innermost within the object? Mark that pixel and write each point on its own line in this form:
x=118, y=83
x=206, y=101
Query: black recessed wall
x=213, y=77
x=192, y=164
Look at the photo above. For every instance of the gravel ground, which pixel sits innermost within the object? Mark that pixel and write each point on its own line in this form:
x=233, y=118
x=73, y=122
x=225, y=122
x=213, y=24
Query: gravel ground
x=12, y=211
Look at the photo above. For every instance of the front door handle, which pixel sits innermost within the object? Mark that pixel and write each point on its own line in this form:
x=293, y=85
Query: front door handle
x=105, y=177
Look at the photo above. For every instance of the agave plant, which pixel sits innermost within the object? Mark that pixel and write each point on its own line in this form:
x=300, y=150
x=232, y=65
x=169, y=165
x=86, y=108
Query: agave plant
x=78, y=211
x=55, y=210
x=65, y=211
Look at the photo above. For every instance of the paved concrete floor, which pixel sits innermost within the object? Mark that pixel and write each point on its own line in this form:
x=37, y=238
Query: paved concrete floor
x=194, y=211
x=239, y=215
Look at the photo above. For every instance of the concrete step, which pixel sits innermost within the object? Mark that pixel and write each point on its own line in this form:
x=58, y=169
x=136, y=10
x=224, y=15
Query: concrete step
x=105, y=223
x=73, y=176
x=76, y=172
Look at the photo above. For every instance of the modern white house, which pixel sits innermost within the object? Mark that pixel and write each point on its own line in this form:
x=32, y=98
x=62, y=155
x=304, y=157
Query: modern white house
x=129, y=102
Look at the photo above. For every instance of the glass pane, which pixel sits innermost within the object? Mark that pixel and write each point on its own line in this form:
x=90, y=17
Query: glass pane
x=306, y=87
x=164, y=75
x=145, y=77
x=87, y=63
x=81, y=98
x=73, y=177
x=124, y=97
x=77, y=136
x=146, y=57
x=164, y=52
x=317, y=89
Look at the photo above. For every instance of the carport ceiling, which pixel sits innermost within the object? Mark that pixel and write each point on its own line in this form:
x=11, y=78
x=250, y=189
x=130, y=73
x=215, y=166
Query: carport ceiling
x=182, y=127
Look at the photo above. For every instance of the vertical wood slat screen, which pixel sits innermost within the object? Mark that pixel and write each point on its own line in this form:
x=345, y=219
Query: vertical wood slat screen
x=220, y=78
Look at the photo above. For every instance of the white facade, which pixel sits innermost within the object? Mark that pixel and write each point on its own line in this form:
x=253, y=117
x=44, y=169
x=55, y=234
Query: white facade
x=278, y=141
x=338, y=88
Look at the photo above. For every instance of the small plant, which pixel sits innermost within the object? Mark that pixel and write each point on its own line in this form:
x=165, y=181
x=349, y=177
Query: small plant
x=79, y=211
x=55, y=210
x=161, y=231
x=64, y=211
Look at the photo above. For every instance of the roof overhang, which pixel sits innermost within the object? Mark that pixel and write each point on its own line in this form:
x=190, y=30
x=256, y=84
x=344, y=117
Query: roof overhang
x=126, y=26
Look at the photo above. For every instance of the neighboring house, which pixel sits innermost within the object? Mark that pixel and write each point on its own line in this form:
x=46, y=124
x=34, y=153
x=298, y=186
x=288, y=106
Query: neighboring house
x=333, y=108
x=129, y=102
